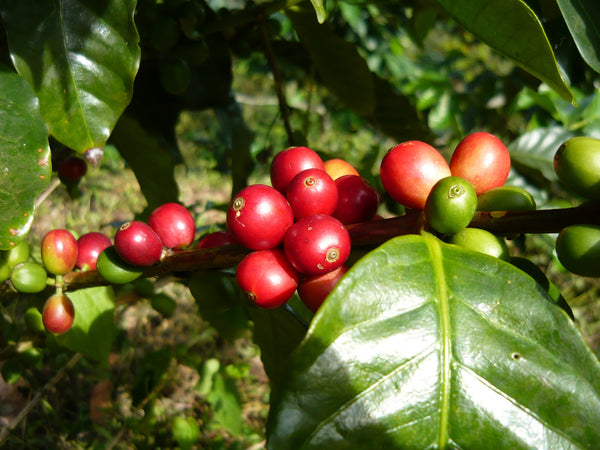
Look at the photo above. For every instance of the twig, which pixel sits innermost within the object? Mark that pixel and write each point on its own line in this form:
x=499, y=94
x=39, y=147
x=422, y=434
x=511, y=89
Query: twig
x=180, y=264
x=44, y=195
x=38, y=396
x=283, y=106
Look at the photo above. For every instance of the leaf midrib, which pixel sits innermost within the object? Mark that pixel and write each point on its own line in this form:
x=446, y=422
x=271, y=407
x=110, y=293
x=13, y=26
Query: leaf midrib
x=441, y=301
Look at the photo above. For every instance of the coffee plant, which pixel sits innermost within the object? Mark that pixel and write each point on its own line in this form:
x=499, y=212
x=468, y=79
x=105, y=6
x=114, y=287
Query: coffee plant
x=393, y=277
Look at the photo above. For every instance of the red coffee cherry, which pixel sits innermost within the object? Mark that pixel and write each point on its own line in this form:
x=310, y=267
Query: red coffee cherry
x=58, y=314
x=138, y=244
x=312, y=192
x=59, y=251
x=314, y=290
x=72, y=168
x=409, y=171
x=317, y=244
x=89, y=246
x=267, y=278
x=481, y=159
x=217, y=239
x=259, y=216
x=357, y=200
x=174, y=225
x=290, y=162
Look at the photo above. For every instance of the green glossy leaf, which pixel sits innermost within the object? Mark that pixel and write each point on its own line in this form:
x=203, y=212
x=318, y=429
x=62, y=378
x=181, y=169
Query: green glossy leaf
x=94, y=328
x=25, y=166
x=151, y=163
x=583, y=19
x=427, y=345
x=535, y=149
x=80, y=57
x=511, y=28
x=342, y=69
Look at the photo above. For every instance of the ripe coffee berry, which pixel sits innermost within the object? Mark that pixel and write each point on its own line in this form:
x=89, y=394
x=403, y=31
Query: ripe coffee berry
x=89, y=246
x=409, y=171
x=259, y=216
x=59, y=251
x=58, y=314
x=290, y=162
x=72, y=168
x=317, y=244
x=311, y=192
x=314, y=290
x=267, y=278
x=357, y=200
x=481, y=159
x=217, y=239
x=174, y=225
x=138, y=244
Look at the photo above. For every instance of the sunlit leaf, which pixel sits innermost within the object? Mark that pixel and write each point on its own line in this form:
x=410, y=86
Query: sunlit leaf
x=426, y=345
x=94, y=328
x=511, y=28
x=80, y=57
x=583, y=19
x=25, y=166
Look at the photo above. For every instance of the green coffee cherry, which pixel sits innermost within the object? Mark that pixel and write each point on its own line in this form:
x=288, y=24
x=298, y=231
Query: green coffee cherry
x=29, y=278
x=17, y=254
x=451, y=205
x=33, y=320
x=175, y=75
x=506, y=198
x=114, y=270
x=578, y=249
x=577, y=165
x=481, y=241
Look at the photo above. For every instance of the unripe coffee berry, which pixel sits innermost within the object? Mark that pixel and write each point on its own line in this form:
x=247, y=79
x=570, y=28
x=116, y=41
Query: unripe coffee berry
x=59, y=251
x=58, y=314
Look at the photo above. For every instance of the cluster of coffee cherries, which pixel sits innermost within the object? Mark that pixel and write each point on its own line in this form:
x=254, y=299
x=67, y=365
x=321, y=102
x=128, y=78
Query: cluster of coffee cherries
x=297, y=227
x=418, y=176
x=135, y=246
